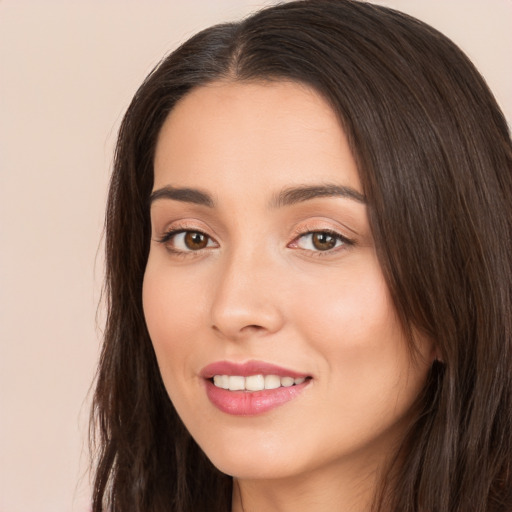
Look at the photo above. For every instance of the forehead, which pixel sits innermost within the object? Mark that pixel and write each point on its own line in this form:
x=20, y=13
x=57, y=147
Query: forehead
x=236, y=133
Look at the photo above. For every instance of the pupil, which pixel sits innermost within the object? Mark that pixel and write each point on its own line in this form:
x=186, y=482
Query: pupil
x=195, y=240
x=323, y=241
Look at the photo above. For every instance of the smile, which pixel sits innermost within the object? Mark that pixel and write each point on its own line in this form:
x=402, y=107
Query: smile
x=255, y=382
x=251, y=388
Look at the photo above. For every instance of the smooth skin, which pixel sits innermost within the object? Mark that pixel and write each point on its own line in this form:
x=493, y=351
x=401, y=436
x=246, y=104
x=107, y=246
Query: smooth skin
x=243, y=276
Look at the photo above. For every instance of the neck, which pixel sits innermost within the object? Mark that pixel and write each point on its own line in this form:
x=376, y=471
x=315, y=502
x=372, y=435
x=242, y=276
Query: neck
x=324, y=490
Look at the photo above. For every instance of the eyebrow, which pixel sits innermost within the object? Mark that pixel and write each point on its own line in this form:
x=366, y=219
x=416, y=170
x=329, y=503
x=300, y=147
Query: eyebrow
x=287, y=197
x=186, y=195
x=294, y=195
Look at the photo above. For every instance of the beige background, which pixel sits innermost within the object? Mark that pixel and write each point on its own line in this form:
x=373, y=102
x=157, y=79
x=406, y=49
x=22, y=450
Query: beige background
x=67, y=73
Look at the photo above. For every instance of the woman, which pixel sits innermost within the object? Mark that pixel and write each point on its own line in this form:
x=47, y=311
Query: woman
x=309, y=274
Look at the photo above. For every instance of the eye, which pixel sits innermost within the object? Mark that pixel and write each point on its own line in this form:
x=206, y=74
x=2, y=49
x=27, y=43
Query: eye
x=187, y=241
x=320, y=241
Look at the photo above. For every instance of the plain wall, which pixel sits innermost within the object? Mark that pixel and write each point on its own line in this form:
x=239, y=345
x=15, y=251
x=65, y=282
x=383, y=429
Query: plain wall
x=67, y=73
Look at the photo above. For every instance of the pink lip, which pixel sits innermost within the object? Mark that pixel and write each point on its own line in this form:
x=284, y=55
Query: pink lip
x=246, y=369
x=249, y=403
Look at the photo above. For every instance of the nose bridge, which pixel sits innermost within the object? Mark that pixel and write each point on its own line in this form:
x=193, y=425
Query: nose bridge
x=245, y=300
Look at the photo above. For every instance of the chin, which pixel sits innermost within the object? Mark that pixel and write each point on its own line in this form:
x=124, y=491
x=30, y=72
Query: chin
x=258, y=461
x=248, y=469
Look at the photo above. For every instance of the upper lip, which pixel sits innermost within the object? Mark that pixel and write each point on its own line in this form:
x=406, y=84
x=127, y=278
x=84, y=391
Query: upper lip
x=248, y=368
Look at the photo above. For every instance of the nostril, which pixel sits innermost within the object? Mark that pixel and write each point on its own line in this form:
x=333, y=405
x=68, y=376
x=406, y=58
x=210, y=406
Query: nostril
x=253, y=327
x=234, y=331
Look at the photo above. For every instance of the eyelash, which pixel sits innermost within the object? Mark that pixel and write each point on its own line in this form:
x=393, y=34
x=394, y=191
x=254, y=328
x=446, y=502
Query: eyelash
x=345, y=242
x=169, y=235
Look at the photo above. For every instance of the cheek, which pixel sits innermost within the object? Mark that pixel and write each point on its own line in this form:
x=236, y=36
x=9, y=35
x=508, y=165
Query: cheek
x=351, y=310
x=351, y=323
x=171, y=312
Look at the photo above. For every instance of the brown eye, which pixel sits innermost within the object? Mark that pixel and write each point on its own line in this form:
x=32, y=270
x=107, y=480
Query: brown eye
x=195, y=241
x=183, y=241
x=323, y=241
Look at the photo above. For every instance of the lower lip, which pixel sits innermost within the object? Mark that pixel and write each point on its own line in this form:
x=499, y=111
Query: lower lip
x=250, y=403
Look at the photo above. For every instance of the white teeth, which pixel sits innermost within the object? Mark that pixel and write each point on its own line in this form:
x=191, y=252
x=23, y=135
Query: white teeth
x=287, y=381
x=221, y=381
x=254, y=382
x=236, y=383
x=272, y=382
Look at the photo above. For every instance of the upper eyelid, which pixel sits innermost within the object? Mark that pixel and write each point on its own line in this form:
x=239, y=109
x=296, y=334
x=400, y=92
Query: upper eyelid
x=344, y=239
x=296, y=234
x=180, y=226
x=308, y=229
x=169, y=233
x=302, y=229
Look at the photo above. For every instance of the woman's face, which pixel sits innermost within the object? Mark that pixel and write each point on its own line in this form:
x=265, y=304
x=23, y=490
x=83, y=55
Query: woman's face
x=263, y=277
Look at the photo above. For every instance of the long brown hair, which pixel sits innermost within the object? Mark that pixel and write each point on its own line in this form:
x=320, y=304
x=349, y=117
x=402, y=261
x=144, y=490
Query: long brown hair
x=435, y=160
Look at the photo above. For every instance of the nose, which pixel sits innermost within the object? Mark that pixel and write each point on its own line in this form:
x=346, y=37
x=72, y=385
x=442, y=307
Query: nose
x=246, y=299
